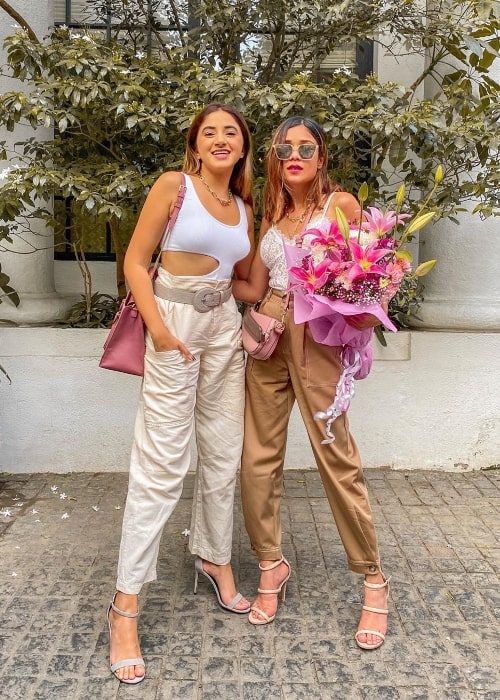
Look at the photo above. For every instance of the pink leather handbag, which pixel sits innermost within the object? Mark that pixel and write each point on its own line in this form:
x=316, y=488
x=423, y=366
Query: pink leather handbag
x=260, y=333
x=125, y=345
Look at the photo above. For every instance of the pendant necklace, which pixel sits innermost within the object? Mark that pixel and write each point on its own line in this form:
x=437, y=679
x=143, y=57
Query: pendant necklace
x=223, y=202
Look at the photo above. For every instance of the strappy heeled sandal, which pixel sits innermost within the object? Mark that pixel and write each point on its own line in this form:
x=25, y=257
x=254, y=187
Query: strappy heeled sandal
x=125, y=662
x=231, y=606
x=381, y=611
x=282, y=589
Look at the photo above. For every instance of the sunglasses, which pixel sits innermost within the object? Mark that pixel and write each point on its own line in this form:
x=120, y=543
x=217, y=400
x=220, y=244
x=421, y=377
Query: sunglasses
x=284, y=151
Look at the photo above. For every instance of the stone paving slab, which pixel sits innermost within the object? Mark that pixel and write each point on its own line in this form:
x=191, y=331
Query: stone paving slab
x=440, y=539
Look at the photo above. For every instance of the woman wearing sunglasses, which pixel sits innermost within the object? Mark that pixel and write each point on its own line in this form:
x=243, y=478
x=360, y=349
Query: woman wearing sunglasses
x=298, y=195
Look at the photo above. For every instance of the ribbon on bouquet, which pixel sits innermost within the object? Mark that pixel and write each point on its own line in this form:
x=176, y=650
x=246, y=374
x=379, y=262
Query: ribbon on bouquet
x=351, y=359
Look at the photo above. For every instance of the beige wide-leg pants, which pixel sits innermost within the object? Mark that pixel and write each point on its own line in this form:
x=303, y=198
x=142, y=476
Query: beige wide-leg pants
x=303, y=370
x=177, y=395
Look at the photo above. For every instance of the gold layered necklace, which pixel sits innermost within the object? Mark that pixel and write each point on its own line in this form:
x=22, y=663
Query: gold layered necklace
x=301, y=218
x=223, y=202
x=297, y=219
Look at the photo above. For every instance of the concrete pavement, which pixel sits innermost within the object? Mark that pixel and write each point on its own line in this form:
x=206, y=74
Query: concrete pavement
x=440, y=540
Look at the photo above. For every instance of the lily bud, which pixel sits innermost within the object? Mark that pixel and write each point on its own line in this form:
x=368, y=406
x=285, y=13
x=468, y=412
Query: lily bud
x=424, y=268
x=438, y=175
x=400, y=196
x=420, y=222
x=342, y=223
x=363, y=193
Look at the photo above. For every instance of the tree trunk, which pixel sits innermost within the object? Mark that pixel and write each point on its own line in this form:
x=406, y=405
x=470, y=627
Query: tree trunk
x=114, y=226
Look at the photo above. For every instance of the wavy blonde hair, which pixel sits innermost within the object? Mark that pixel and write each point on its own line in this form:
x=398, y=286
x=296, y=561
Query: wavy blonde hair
x=277, y=199
x=241, y=181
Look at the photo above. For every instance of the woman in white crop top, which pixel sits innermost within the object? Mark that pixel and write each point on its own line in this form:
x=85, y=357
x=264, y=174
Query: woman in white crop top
x=194, y=370
x=299, y=194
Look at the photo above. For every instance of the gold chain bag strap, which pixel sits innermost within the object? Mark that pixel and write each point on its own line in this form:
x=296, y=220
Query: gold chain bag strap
x=260, y=333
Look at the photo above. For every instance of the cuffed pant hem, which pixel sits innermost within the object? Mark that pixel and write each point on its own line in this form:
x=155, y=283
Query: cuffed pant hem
x=206, y=555
x=365, y=567
x=274, y=554
x=132, y=588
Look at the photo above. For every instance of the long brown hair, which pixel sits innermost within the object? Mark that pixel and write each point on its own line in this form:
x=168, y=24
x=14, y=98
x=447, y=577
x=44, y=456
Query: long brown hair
x=277, y=199
x=241, y=181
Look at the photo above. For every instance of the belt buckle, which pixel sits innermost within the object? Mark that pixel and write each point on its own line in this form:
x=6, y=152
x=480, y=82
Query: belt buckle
x=206, y=299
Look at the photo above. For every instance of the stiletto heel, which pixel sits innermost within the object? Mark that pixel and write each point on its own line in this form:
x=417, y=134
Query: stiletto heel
x=230, y=607
x=125, y=662
x=381, y=611
x=276, y=591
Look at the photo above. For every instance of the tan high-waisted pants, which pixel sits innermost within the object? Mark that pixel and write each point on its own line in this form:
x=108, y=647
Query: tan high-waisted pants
x=207, y=393
x=307, y=371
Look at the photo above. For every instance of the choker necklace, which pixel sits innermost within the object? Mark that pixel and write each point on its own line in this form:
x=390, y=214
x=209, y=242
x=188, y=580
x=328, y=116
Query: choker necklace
x=224, y=202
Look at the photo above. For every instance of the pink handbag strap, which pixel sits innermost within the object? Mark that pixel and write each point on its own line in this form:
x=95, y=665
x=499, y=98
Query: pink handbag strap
x=171, y=222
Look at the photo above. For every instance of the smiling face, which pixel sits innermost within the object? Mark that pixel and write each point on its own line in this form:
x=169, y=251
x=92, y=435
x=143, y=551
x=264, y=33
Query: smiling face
x=297, y=170
x=219, y=142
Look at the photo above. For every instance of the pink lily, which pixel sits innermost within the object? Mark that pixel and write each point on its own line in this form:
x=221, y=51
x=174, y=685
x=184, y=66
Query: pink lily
x=365, y=259
x=329, y=239
x=379, y=222
x=310, y=276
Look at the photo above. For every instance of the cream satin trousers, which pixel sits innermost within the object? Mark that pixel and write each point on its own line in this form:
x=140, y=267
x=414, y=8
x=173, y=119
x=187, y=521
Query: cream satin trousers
x=177, y=395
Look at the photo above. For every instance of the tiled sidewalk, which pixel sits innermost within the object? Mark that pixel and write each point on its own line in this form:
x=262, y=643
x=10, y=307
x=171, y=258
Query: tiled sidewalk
x=440, y=540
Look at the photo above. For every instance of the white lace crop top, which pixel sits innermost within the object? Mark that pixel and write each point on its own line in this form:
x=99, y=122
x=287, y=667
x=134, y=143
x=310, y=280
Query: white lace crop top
x=197, y=231
x=273, y=254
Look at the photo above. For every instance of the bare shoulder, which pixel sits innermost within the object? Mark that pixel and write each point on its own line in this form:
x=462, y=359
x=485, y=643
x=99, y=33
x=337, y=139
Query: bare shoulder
x=342, y=199
x=347, y=203
x=249, y=211
x=168, y=184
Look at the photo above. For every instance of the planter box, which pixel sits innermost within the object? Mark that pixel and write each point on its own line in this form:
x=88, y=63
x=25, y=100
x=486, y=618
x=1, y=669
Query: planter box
x=432, y=400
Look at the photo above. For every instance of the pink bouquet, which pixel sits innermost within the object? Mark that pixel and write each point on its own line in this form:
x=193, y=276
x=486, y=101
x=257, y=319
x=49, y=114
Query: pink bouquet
x=340, y=270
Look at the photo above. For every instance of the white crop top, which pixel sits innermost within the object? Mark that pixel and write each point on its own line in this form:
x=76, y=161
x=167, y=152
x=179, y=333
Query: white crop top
x=273, y=254
x=197, y=231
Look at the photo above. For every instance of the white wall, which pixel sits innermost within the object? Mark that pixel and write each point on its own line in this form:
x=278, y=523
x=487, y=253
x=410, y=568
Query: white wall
x=431, y=401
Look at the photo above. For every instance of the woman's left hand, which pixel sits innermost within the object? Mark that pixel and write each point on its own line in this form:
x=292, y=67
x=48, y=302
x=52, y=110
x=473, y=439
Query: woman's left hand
x=362, y=321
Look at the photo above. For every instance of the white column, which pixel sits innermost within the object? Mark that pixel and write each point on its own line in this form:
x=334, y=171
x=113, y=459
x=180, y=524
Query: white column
x=463, y=290
x=31, y=274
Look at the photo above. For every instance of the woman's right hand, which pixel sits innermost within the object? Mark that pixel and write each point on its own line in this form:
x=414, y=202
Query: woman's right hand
x=164, y=341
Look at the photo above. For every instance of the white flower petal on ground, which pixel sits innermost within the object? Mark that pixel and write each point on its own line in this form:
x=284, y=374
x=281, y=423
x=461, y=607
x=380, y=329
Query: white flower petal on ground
x=64, y=516
x=186, y=532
